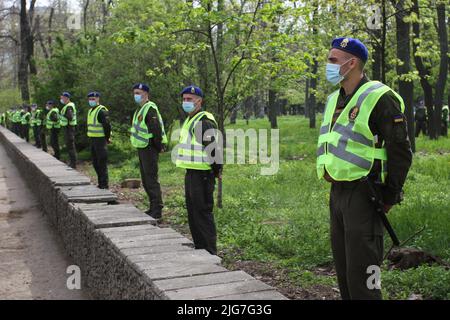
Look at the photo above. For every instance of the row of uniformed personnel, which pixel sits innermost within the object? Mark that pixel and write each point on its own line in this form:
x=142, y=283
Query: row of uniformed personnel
x=363, y=152
x=149, y=138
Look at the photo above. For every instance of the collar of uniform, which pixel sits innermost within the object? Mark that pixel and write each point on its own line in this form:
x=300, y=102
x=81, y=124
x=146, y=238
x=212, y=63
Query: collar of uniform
x=343, y=99
x=363, y=81
x=190, y=117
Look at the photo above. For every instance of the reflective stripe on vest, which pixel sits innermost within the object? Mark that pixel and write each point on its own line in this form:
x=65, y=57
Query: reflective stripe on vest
x=26, y=118
x=36, y=118
x=52, y=124
x=347, y=150
x=140, y=136
x=16, y=118
x=94, y=128
x=64, y=121
x=191, y=153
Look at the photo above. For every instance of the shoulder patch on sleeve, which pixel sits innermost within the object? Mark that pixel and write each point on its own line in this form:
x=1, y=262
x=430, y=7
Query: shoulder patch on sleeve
x=398, y=118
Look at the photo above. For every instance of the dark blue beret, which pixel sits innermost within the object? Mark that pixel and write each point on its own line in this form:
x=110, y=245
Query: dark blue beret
x=353, y=46
x=93, y=94
x=66, y=94
x=50, y=102
x=193, y=90
x=142, y=86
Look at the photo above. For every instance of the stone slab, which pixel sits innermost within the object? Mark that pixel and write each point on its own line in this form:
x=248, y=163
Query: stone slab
x=217, y=290
x=202, y=280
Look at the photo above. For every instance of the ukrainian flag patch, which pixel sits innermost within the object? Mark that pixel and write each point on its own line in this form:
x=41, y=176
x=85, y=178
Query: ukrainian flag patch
x=398, y=118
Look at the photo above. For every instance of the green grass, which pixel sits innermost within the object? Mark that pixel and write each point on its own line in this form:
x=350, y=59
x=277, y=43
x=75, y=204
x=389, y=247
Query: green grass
x=284, y=219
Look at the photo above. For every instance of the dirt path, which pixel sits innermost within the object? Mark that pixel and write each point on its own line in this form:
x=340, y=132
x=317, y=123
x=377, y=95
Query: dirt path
x=33, y=262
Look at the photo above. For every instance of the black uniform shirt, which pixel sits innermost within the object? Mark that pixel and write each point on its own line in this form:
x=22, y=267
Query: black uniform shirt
x=54, y=116
x=69, y=113
x=389, y=124
x=154, y=127
x=103, y=118
x=42, y=115
x=207, y=139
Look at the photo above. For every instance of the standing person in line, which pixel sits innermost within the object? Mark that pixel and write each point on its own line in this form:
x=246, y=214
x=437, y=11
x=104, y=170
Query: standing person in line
x=26, y=120
x=363, y=146
x=99, y=134
x=149, y=138
x=53, y=125
x=68, y=116
x=36, y=124
x=197, y=133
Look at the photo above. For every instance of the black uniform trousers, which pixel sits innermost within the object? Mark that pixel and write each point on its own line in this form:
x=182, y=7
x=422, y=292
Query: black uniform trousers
x=16, y=128
x=100, y=160
x=421, y=126
x=37, y=135
x=356, y=239
x=148, y=165
x=26, y=132
x=69, y=132
x=54, y=142
x=21, y=131
x=444, y=128
x=199, y=192
x=43, y=138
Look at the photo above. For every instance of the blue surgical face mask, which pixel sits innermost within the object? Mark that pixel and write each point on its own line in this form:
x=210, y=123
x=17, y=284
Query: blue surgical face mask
x=333, y=72
x=92, y=103
x=188, y=106
x=62, y=101
x=137, y=98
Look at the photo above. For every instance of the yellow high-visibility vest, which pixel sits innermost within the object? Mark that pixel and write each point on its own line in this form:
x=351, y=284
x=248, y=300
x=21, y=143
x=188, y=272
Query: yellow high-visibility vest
x=347, y=149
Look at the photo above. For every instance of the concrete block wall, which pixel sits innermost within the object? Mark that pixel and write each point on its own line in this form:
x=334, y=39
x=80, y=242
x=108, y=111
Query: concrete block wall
x=121, y=252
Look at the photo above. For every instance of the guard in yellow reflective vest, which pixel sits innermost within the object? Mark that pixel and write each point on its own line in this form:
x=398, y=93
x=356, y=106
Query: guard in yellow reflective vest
x=197, y=133
x=36, y=124
x=25, y=122
x=8, y=116
x=421, y=119
x=363, y=142
x=68, y=118
x=16, y=121
x=21, y=114
x=3, y=119
x=99, y=133
x=149, y=138
x=445, y=116
x=52, y=125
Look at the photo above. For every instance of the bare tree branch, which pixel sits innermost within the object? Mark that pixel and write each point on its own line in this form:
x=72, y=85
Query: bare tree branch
x=8, y=36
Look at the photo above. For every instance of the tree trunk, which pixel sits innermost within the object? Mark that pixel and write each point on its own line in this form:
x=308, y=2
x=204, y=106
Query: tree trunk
x=404, y=54
x=30, y=40
x=23, y=64
x=313, y=80
x=383, y=41
x=50, y=31
x=312, y=96
x=377, y=56
x=85, y=11
x=306, y=108
x=272, y=107
x=39, y=37
x=233, y=116
x=424, y=72
x=443, y=66
x=221, y=107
